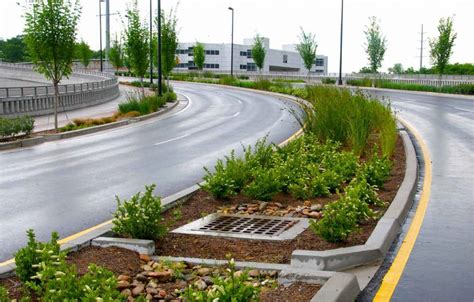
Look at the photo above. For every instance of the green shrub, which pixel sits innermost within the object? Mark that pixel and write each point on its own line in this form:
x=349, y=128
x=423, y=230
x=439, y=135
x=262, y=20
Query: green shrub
x=376, y=170
x=230, y=288
x=169, y=96
x=226, y=80
x=338, y=222
x=99, y=284
x=328, y=81
x=265, y=185
x=14, y=126
x=4, y=295
x=360, y=189
x=139, y=217
x=28, y=257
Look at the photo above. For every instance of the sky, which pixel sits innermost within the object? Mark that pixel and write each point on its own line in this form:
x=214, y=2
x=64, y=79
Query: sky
x=281, y=20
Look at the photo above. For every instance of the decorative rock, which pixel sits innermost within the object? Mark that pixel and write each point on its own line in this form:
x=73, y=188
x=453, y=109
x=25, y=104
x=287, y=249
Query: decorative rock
x=162, y=293
x=315, y=215
x=161, y=276
x=254, y=273
x=151, y=291
x=141, y=278
x=149, y=297
x=306, y=212
x=138, y=289
x=263, y=206
x=278, y=204
x=123, y=278
x=316, y=207
x=147, y=268
x=200, y=284
x=237, y=274
x=145, y=258
x=307, y=203
x=123, y=284
x=204, y=271
x=127, y=292
x=208, y=280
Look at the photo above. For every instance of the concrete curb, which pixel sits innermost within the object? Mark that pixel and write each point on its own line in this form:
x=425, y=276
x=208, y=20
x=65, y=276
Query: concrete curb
x=383, y=235
x=438, y=94
x=28, y=142
x=341, y=287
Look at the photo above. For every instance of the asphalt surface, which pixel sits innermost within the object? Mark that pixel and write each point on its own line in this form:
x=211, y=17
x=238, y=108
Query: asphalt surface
x=441, y=265
x=70, y=185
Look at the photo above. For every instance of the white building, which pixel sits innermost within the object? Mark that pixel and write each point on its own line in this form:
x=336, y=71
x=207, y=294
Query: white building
x=218, y=58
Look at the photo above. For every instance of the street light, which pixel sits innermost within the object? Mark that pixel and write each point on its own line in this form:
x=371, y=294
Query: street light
x=160, y=88
x=340, y=49
x=151, y=42
x=100, y=35
x=232, y=46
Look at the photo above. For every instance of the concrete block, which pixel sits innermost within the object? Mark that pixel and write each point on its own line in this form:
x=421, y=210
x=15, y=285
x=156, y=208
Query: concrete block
x=141, y=246
x=28, y=142
x=305, y=275
x=384, y=234
x=342, y=287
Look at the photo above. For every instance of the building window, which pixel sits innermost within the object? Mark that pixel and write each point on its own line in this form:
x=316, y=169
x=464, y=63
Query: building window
x=319, y=62
x=251, y=67
x=212, y=52
x=211, y=66
x=243, y=66
x=181, y=51
x=243, y=53
x=182, y=65
x=249, y=53
x=285, y=58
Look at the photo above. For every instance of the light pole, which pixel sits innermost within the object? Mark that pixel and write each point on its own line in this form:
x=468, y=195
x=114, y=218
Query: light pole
x=160, y=88
x=100, y=35
x=151, y=42
x=340, y=48
x=232, y=46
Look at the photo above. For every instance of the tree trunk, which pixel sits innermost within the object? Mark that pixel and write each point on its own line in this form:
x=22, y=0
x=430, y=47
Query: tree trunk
x=56, y=103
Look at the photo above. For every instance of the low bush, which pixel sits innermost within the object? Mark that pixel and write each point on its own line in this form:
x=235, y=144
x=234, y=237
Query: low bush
x=4, y=295
x=328, y=81
x=230, y=288
x=376, y=170
x=144, y=104
x=28, y=257
x=265, y=184
x=140, y=217
x=11, y=127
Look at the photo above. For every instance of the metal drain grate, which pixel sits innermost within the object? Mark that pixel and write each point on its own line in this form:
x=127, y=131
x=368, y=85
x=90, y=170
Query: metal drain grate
x=246, y=226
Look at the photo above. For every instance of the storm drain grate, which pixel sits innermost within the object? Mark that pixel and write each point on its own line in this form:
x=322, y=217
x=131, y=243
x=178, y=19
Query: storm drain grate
x=246, y=226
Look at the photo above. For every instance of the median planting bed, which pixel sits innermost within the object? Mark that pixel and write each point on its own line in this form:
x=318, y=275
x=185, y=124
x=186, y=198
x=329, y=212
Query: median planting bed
x=338, y=179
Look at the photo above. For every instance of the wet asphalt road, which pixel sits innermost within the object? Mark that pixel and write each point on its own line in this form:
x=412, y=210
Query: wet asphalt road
x=70, y=185
x=441, y=265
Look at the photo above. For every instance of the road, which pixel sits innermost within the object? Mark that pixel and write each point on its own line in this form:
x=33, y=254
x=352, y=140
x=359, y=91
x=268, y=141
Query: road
x=441, y=265
x=70, y=185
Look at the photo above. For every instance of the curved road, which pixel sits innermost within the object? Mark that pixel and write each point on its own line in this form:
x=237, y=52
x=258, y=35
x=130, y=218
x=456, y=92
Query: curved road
x=70, y=185
x=441, y=265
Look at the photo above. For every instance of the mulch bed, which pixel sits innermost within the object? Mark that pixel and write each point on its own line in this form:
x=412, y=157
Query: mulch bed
x=201, y=204
x=298, y=291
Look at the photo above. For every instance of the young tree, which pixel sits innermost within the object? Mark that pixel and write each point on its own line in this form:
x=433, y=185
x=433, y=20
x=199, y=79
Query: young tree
x=375, y=45
x=169, y=43
x=307, y=49
x=50, y=35
x=116, y=54
x=83, y=53
x=258, y=52
x=13, y=49
x=199, y=54
x=396, y=69
x=136, y=43
x=442, y=46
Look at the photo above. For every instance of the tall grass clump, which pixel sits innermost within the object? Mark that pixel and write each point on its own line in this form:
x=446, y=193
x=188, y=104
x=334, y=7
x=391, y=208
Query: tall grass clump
x=354, y=119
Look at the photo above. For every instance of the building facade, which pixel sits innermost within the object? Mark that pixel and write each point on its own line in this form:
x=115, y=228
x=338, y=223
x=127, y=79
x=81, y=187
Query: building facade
x=218, y=58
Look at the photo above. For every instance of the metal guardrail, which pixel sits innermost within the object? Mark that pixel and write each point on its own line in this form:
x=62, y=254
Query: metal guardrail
x=39, y=100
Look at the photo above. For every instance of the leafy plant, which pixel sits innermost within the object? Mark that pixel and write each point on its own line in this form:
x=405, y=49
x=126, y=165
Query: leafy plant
x=4, y=295
x=10, y=127
x=376, y=170
x=139, y=217
x=258, y=52
x=265, y=185
x=99, y=284
x=307, y=49
x=28, y=257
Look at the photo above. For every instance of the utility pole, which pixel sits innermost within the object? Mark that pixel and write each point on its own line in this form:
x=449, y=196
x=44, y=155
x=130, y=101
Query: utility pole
x=151, y=42
x=100, y=35
x=421, y=48
x=340, y=47
x=232, y=46
x=107, y=29
x=160, y=88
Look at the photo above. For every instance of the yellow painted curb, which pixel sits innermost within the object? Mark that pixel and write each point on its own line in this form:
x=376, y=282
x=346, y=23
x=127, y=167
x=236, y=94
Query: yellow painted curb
x=392, y=277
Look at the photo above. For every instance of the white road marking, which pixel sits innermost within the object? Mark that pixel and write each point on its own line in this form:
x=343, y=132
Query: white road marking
x=173, y=139
x=463, y=109
x=235, y=115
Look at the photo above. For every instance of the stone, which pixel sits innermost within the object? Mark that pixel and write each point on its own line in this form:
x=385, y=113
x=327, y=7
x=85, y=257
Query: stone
x=151, y=291
x=315, y=215
x=145, y=258
x=200, y=284
x=141, y=278
x=149, y=297
x=138, y=289
x=123, y=278
x=307, y=203
x=254, y=273
x=237, y=274
x=306, y=212
x=204, y=271
x=162, y=293
x=123, y=284
x=126, y=292
x=208, y=280
x=147, y=268
x=161, y=276
x=152, y=284
x=279, y=205
x=316, y=207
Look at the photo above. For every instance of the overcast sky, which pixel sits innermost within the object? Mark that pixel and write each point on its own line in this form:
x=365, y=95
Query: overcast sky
x=280, y=20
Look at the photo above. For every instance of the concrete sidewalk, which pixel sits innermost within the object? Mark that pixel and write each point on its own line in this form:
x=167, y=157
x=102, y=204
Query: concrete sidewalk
x=46, y=122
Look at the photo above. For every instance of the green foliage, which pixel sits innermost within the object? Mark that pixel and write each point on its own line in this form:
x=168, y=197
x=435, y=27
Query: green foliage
x=230, y=288
x=13, y=50
x=137, y=46
x=361, y=190
x=376, y=170
x=307, y=49
x=13, y=126
x=199, y=55
x=169, y=40
x=145, y=104
x=375, y=45
x=99, y=284
x=28, y=257
x=83, y=52
x=338, y=222
x=139, y=217
x=396, y=69
x=442, y=46
x=4, y=295
x=258, y=52
x=116, y=54
x=328, y=81
x=265, y=184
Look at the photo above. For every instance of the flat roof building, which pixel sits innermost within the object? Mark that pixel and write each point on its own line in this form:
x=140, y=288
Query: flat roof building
x=218, y=58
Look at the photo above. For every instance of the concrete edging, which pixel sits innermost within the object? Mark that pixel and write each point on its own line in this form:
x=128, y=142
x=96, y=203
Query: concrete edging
x=341, y=287
x=383, y=235
x=28, y=142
